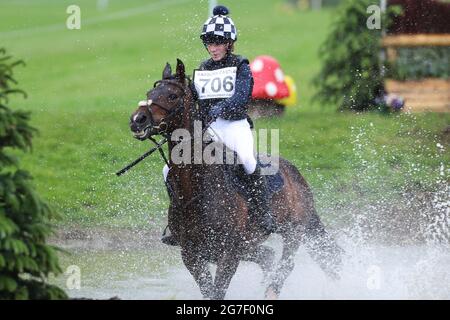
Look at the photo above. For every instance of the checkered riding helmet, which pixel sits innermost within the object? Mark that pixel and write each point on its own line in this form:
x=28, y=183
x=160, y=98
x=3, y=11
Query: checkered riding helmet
x=219, y=28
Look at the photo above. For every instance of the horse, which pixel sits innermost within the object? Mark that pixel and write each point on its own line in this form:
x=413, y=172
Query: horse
x=209, y=216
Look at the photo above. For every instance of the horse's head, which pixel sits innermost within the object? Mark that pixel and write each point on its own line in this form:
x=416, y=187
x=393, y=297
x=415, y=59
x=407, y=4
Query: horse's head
x=162, y=112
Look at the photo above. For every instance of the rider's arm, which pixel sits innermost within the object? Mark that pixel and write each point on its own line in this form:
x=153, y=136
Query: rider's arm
x=235, y=107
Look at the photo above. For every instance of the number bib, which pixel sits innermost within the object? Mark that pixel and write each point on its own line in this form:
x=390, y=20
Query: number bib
x=215, y=84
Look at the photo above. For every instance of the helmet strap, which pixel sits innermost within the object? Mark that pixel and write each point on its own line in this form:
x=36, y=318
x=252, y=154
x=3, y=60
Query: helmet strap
x=230, y=47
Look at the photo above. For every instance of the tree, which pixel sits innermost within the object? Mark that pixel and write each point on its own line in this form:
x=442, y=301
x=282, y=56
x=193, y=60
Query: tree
x=26, y=261
x=352, y=74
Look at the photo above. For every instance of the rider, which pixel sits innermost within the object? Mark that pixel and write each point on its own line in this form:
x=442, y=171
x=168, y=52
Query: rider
x=223, y=87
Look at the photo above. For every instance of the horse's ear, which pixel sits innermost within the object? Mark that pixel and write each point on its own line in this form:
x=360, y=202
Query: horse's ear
x=167, y=72
x=180, y=70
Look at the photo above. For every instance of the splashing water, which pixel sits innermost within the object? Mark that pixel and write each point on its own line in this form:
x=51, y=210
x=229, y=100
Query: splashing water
x=393, y=225
x=369, y=272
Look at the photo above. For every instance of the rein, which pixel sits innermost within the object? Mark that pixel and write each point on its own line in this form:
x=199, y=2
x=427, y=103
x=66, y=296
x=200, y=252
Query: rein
x=158, y=145
x=145, y=155
x=178, y=205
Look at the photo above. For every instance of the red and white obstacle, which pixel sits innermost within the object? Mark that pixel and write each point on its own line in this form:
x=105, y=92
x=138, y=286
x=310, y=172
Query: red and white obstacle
x=272, y=90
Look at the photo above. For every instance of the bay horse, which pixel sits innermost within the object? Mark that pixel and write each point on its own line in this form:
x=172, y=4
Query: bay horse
x=210, y=218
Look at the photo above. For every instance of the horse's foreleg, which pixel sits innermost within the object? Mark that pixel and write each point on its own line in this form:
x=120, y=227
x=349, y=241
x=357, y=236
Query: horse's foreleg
x=198, y=267
x=291, y=242
x=226, y=268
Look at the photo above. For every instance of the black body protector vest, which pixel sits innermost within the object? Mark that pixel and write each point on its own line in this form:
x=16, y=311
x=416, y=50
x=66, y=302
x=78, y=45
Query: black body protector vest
x=215, y=81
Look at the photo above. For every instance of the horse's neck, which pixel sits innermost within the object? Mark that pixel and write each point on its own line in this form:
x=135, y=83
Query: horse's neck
x=191, y=112
x=188, y=177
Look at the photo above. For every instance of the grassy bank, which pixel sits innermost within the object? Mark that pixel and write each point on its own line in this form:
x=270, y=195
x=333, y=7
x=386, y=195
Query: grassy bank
x=84, y=84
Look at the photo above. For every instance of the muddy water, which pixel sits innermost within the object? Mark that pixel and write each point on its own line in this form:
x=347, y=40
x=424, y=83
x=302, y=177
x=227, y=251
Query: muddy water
x=155, y=271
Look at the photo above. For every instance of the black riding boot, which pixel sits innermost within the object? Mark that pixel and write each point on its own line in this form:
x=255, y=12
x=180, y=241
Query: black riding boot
x=167, y=237
x=259, y=204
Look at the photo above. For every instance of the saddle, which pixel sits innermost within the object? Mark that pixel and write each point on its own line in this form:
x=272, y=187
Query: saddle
x=236, y=176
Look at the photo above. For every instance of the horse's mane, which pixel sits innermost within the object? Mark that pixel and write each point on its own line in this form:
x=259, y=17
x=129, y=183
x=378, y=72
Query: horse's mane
x=195, y=113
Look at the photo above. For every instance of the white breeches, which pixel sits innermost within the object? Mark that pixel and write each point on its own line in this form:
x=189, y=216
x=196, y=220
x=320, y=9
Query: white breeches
x=237, y=136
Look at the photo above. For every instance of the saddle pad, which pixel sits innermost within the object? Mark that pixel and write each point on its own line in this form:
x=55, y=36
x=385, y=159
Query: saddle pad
x=274, y=182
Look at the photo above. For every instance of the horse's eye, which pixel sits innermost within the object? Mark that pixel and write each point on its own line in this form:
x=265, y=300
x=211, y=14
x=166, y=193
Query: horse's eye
x=173, y=97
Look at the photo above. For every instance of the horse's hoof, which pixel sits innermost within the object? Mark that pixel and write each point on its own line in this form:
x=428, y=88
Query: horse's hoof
x=271, y=294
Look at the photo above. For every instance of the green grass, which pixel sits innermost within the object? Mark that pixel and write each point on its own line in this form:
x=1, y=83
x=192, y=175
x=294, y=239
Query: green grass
x=84, y=84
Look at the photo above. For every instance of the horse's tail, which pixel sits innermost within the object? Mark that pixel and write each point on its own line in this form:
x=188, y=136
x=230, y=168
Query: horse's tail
x=322, y=247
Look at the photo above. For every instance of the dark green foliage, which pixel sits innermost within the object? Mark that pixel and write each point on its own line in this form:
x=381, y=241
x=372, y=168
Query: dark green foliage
x=26, y=260
x=351, y=74
x=419, y=63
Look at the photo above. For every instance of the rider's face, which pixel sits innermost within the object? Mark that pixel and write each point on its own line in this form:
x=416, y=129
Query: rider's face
x=217, y=51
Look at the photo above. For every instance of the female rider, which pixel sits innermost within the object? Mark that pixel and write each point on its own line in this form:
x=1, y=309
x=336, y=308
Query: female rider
x=223, y=87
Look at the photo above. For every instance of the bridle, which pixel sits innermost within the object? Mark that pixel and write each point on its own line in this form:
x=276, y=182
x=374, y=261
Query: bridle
x=170, y=113
x=163, y=124
x=162, y=130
